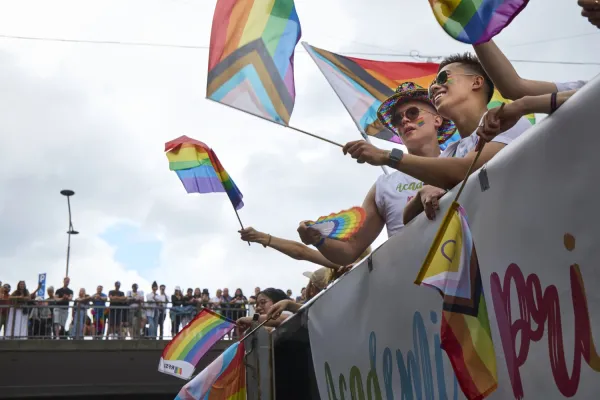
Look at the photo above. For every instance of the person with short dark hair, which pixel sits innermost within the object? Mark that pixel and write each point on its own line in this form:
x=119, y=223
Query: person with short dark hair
x=460, y=92
x=162, y=301
x=63, y=297
x=530, y=96
x=117, y=312
x=265, y=300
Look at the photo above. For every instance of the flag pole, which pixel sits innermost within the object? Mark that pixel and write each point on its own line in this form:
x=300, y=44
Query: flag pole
x=255, y=329
x=363, y=134
x=285, y=126
x=464, y=182
x=239, y=220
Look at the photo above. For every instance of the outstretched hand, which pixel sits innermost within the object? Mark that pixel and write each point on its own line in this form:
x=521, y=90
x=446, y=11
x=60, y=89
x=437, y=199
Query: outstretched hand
x=364, y=152
x=250, y=234
x=498, y=120
x=308, y=235
x=277, y=308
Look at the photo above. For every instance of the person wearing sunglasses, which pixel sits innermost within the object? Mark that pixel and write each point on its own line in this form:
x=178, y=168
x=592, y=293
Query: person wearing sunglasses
x=460, y=93
x=530, y=96
x=410, y=115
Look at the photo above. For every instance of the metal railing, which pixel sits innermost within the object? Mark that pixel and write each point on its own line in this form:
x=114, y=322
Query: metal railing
x=77, y=321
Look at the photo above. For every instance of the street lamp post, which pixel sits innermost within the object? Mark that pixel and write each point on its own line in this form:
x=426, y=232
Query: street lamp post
x=68, y=193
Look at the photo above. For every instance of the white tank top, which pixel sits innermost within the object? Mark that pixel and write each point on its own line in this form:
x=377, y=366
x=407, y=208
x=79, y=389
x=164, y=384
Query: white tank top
x=392, y=192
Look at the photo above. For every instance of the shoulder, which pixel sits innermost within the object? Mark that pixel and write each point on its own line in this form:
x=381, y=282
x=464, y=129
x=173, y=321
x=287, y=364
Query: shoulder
x=450, y=149
x=566, y=86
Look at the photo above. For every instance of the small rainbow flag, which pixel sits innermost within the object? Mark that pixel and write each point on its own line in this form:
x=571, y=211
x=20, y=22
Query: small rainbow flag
x=251, y=59
x=452, y=267
x=475, y=21
x=182, y=354
x=223, y=379
x=340, y=226
x=199, y=169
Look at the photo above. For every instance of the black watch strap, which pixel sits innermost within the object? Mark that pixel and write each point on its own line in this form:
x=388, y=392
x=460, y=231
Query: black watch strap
x=395, y=157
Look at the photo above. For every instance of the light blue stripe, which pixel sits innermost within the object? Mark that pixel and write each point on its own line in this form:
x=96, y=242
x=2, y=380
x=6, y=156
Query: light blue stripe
x=371, y=115
x=249, y=73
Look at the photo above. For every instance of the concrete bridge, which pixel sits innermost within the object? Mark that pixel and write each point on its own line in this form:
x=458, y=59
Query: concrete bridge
x=77, y=368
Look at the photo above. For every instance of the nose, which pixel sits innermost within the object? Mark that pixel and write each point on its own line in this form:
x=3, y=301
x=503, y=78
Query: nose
x=433, y=89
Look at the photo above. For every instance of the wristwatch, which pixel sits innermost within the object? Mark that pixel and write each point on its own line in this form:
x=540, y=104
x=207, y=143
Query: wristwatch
x=395, y=157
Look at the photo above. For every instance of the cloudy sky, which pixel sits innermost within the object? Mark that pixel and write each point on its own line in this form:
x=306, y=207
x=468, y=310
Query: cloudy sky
x=94, y=118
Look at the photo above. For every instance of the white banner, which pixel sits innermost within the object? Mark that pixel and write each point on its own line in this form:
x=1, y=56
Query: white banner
x=375, y=334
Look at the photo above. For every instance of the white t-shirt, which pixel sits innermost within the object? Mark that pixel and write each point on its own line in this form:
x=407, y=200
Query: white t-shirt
x=151, y=300
x=392, y=192
x=465, y=145
x=138, y=296
x=566, y=86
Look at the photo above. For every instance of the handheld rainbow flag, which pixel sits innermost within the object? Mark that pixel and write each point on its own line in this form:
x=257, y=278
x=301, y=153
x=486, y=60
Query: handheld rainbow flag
x=199, y=169
x=341, y=225
x=223, y=379
x=251, y=59
x=182, y=354
x=362, y=85
x=451, y=267
x=475, y=21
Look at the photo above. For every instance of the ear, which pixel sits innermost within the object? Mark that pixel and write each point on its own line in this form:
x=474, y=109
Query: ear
x=438, y=121
x=478, y=83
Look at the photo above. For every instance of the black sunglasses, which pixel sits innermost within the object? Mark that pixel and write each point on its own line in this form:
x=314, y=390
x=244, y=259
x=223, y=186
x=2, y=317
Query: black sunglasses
x=412, y=113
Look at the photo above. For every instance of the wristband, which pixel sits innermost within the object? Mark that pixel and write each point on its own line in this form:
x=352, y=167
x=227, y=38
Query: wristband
x=320, y=243
x=553, y=106
x=268, y=243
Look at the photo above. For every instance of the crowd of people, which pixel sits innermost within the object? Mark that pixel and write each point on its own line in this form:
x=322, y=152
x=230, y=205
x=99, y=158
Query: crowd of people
x=456, y=101
x=60, y=314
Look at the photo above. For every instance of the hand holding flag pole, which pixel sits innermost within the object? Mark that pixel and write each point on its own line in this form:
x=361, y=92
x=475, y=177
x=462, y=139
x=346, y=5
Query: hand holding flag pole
x=200, y=170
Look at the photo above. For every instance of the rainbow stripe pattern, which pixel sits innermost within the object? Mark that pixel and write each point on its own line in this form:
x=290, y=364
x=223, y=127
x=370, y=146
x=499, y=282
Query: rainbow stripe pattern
x=251, y=59
x=475, y=21
x=182, y=354
x=362, y=85
x=452, y=267
x=223, y=379
x=497, y=100
x=340, y=226
x=199, y=169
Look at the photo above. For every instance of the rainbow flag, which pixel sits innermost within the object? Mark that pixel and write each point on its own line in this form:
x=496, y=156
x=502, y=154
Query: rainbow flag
x=199, y=169
x=497, y=100
x=451, y=267
x=223, y=379
x=362, y=85
x=251, y=59
x=182, y=354
x=475, y=21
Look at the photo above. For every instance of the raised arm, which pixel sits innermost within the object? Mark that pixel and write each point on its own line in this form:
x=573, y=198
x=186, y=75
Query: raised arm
x=505, y=77
x=292, y=249
x=344, y=253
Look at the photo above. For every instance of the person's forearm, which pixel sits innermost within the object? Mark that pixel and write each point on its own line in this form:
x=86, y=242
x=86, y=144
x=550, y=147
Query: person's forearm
x=294, y=307
x=440, y=172
x=299, y=251
x=505, y=77
x=542, y=104
x=413, y=208
x=339, y=252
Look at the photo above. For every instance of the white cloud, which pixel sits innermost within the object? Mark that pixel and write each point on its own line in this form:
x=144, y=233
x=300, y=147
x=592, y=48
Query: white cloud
x=94, y=118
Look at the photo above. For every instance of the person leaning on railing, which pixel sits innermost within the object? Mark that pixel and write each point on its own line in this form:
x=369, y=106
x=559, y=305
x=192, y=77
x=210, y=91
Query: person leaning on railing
x=4, y=305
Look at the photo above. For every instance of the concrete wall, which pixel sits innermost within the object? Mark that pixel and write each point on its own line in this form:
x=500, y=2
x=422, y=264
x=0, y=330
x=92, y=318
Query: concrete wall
x=62, y=368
